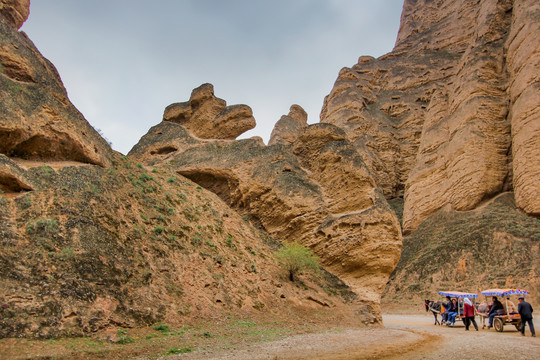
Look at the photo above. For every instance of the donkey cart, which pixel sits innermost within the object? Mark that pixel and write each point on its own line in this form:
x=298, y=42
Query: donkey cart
x=506, y=316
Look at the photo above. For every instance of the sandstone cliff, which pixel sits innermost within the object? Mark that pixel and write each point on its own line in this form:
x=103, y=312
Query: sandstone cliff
x=449, y=125
x=451, y=115
x=311, y=187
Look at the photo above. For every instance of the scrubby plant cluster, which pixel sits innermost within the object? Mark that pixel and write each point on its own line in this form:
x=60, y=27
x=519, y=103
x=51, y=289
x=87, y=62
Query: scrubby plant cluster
x=295, y=259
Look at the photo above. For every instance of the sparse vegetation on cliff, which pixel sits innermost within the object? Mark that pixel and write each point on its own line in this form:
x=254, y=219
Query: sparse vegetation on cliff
x=295, y=258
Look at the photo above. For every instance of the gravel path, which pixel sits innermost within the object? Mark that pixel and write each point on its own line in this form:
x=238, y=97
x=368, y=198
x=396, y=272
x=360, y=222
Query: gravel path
x=456, y=343
x=403, y=337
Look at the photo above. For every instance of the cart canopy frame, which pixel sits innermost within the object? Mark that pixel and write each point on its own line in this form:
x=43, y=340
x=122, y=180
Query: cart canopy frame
x=504, y=292
x=458, y=294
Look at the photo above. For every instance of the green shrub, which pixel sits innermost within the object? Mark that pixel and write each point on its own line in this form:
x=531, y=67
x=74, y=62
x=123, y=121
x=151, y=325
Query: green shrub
x=47, y=170
x=124, y=338
x=295, y=259
x=46, y=227
x=145, y=177
x=158, y=230
x=196, y=240
x=162, y=328
x=176, y=350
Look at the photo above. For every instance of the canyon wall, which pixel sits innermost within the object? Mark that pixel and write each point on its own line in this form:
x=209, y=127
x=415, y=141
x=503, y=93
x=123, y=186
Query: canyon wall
x=451, y=115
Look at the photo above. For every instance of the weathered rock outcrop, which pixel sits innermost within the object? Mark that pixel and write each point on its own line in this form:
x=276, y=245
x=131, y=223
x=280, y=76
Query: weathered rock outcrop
x=451, y=115
x=37, y=120
x=12, y=178
x=209, y=117
x=289, y=127
x=15, y=11
x=316, y=190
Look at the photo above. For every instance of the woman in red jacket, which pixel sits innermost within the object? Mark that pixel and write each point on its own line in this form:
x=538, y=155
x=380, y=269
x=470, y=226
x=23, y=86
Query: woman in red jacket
x=468, y=314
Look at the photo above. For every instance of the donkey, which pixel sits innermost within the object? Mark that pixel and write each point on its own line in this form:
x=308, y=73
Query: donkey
x=435, y=308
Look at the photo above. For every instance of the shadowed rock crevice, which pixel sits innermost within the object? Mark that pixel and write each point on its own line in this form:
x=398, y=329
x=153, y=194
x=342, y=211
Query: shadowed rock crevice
x=221, y=182
x=164, y=150
x=43, y=147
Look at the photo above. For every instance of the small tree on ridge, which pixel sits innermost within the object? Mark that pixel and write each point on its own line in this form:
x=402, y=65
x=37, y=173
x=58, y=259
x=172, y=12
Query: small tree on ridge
x=295, y=259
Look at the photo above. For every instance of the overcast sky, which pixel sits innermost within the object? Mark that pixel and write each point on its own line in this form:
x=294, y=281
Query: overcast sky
x=123, y=61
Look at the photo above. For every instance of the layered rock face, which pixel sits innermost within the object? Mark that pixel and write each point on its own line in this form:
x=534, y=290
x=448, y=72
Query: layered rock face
x=316, y=191
x=37, y=120
x=523, y=64
x=451, y=115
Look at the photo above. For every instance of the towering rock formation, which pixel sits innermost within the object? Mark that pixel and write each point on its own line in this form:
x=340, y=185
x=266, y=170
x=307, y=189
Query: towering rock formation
x=289, y=127
x=523, y=66
x=209, y=117
x=311, y=187
x=451, y=115
x=37, y=120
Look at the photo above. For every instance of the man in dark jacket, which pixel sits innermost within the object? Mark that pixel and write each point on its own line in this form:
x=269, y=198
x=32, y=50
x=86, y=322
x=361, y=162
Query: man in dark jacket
x=496, y=305
x=525, y=310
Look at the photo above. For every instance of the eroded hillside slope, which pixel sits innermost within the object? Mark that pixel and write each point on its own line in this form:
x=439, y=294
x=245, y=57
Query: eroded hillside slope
x=92, y=248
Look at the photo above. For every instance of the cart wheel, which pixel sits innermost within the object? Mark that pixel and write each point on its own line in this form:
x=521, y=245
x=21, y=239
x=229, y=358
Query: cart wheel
x=498, y=324
x=518, y=326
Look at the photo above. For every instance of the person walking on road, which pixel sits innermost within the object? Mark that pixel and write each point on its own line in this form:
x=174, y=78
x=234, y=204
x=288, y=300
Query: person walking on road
x=468, y=314
x=525, y=310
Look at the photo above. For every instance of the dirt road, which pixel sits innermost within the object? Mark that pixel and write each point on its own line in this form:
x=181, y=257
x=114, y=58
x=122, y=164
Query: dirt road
x=403, y=337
